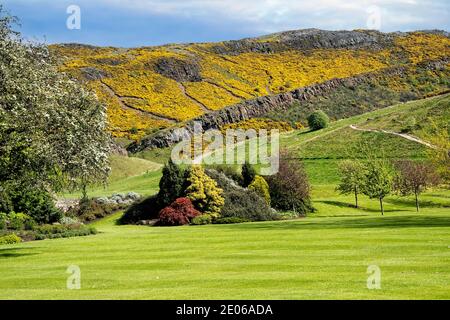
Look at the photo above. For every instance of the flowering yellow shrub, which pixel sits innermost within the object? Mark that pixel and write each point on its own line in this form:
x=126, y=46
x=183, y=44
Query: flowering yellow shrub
x=126, y=122
x=212, y=96
x=424, y=46
x=162, y=95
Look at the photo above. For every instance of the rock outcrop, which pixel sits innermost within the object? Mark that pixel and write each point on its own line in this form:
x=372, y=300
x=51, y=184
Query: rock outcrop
x=178, y=70
x=260, y=106
x=308, y=39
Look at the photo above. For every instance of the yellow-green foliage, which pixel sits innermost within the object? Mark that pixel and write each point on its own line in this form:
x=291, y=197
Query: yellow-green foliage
x=225, y=79
x=261, y=187
x=10, y=239
x=204, y=192
x=258, y=124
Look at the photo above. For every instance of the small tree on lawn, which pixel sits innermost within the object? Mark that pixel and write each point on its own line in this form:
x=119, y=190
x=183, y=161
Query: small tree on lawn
x=413, y=178
x=352, y=177
x=378, y=180
x=171, y=184
x=248, y=174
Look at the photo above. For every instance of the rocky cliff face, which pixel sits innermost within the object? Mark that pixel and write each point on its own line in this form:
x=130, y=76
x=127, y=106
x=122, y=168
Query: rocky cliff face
x=261, y=106
x=308, y=39
x=178, y=70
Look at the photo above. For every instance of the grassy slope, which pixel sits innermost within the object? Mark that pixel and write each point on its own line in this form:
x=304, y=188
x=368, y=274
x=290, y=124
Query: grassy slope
x=324, y=256
x=314, y=258
x=128, y=174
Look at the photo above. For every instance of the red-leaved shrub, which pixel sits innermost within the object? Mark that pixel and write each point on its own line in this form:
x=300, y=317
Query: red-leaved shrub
x=180, y=212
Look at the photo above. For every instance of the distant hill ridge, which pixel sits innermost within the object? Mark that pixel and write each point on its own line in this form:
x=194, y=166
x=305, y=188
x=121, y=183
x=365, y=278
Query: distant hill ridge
x=151, y=88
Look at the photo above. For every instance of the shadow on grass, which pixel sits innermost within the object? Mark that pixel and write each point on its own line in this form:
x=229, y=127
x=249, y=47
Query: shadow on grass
x=348, y=205
x=15, y=252
x=412, y=203
x=397, y=222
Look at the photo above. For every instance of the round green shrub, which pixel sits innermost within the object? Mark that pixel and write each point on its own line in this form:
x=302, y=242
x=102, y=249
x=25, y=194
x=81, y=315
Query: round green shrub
x=318, y=120
x=10, y=239
x=203, y=219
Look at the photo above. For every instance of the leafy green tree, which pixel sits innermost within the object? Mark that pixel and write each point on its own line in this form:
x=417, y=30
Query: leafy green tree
x=378, y=180
x=318, y=120
x=204, y=192
x=352, y=177
x=171, y=183
x=261, y=187
x=248, y=174
x=52, y=131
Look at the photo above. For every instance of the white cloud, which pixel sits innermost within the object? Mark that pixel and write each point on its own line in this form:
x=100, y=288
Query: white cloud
x=271, y=15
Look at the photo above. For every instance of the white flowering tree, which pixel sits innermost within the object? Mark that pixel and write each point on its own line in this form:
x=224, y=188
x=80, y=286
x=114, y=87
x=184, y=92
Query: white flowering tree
x=52, y=131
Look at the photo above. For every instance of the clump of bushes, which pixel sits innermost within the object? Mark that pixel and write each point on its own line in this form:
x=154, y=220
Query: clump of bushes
x=318, y=120
x=230, y=220
x=197, y=196
x=202, y=219
x=146, y=209
x=10, y=239
x=180, y=212
x=241, y=202
x=62, y=231
x=246, y=204
x=37, y=204
x=16, y=221
x=96, y=208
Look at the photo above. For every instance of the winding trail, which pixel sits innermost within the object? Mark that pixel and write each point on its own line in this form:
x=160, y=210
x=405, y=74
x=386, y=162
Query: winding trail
x=402, y=135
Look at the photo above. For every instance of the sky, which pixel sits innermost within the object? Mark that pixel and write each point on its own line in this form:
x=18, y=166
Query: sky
x=133, y=23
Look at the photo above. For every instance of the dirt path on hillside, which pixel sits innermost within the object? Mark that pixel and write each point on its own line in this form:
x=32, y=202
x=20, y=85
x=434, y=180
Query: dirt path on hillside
x=402, y=135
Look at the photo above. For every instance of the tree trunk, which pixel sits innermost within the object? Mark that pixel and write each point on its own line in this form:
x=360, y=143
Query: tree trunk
x=356, y=198
x=381, y=206
x=417, y=201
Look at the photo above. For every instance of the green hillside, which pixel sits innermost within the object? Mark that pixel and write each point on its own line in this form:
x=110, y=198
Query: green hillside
x=320, y=150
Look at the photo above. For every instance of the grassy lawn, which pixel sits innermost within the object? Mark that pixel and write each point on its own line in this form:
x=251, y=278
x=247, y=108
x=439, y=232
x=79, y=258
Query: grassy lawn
x=323, y=256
